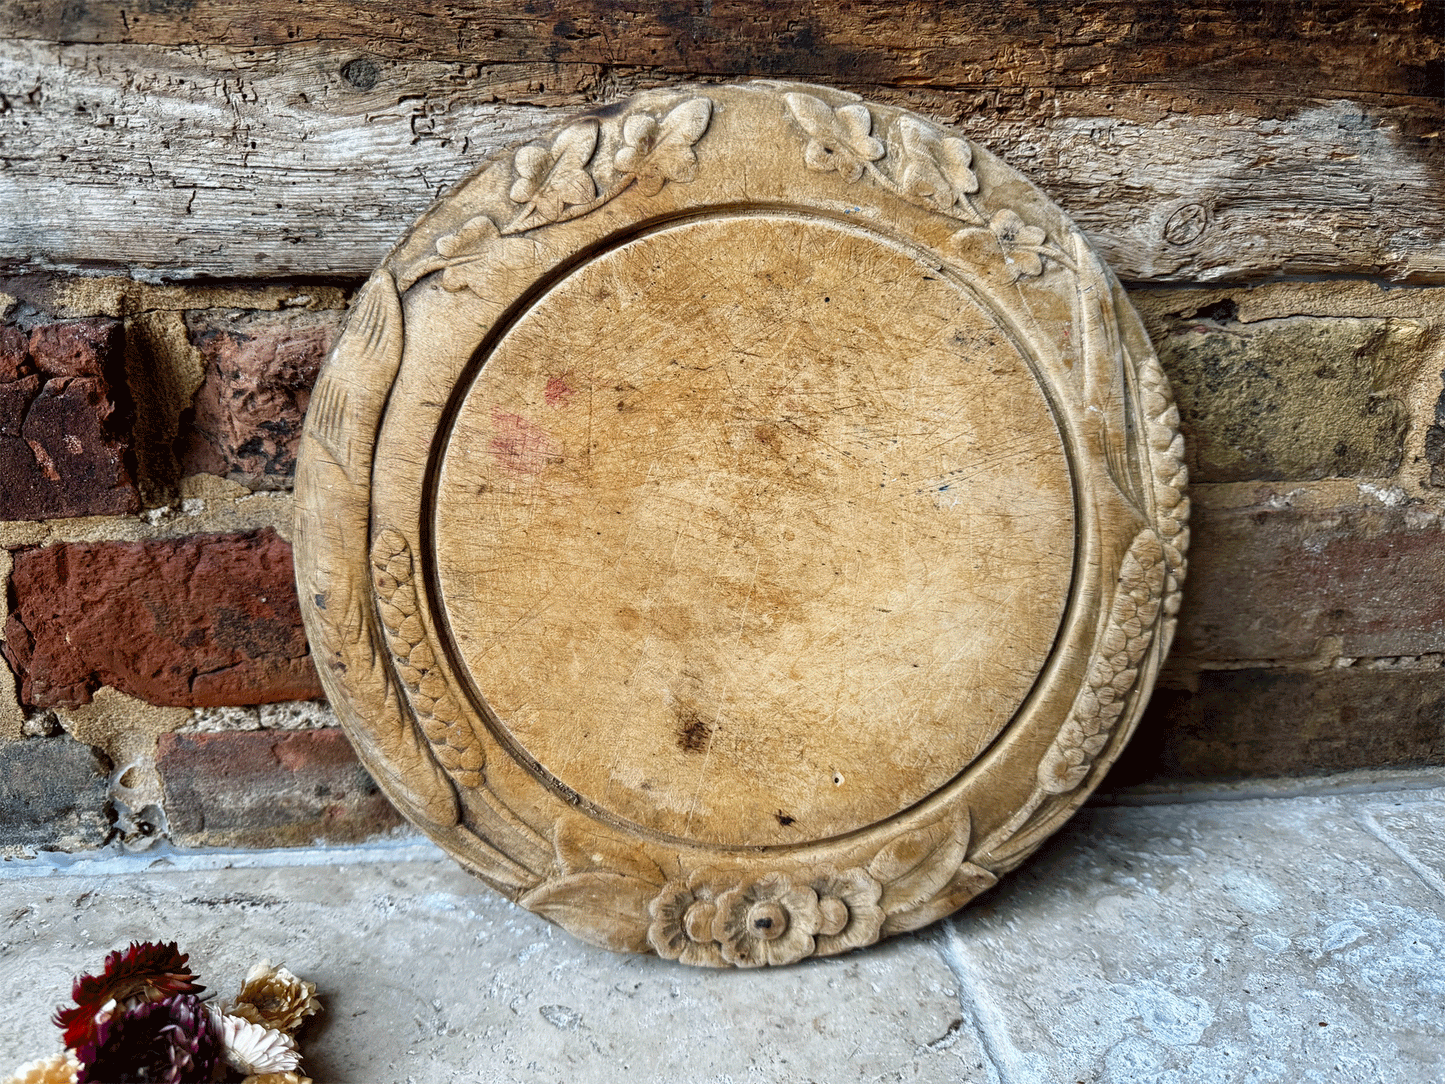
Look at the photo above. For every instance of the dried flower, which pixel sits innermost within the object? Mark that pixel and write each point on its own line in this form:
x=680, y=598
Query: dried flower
x=255, y=1049
x=141, y=973
x=57, y=1069
x=156, y=1042
x=278, y=1078
x=275, y=998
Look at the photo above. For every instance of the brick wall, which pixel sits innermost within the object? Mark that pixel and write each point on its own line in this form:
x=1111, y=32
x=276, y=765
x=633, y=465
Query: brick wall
x=159, y=682
x=188, y=198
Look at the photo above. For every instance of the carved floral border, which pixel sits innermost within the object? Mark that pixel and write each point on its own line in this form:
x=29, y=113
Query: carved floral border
x=703, y=909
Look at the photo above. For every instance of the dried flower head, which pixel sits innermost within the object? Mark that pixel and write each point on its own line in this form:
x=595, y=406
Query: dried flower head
x=278, y=1078
x=275, y=998
x=255, y=1049
x=141, y=973
x=156, y=1042
x=57, y=1069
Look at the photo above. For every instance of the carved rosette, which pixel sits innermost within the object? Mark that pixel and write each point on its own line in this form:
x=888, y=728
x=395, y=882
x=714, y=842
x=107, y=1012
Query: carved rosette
x=366, y=559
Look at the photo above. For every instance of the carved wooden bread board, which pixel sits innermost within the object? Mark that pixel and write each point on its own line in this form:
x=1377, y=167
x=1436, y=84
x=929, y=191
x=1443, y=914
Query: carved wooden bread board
x=742, y=525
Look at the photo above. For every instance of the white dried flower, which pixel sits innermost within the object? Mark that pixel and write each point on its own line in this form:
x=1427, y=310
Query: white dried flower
x=255, y=1049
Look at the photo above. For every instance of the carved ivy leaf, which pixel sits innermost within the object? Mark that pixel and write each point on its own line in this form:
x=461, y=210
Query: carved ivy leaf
x=605, y=909
x=915, y=866
x=580, y=849
x=656, y=152
x=937, y=172
x=459, y=249
x=552, y=178
x=838, y=139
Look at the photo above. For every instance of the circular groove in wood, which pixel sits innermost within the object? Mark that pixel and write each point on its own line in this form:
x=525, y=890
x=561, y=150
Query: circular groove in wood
x=725, y=545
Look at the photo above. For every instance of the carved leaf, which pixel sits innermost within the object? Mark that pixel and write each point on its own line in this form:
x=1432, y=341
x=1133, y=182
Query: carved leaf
x=581, y=848
x=551, y=178
x=936, y=172
x=604, y=909
x=839, y=139
x=657, y=152
x=963, y=886
x=915, y=866
x=464, y=241
x=353, y=643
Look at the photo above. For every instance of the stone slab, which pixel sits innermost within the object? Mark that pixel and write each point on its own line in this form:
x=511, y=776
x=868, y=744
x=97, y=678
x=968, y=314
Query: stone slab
x=1278, y=939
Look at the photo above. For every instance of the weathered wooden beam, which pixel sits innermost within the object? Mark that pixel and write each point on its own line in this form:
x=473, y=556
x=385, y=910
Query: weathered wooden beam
x=1279, y=47
x=1237, y=141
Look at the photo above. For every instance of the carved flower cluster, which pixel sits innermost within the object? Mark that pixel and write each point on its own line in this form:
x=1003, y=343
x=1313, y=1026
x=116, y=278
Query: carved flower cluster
x=561, y=180
x=932, y=170
x=768, y=920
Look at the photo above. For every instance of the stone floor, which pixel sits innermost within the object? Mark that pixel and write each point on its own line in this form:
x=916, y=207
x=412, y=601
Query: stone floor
x=1213, y=936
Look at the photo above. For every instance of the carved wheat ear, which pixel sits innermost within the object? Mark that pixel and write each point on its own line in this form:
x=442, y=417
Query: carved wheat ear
x=344, y=423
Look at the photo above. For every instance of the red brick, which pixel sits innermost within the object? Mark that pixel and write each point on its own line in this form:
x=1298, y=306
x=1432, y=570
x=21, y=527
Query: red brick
x=1275, y=582
x=245, y=421
x=266, y=788
x=77, y=348
x=14, y=352
x=202, y=621
x=64, y=428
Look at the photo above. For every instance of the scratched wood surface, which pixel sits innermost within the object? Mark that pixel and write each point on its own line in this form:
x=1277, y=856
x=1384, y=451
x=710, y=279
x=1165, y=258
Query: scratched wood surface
x=741, y=524
x=751, y=572
x=1226, y=141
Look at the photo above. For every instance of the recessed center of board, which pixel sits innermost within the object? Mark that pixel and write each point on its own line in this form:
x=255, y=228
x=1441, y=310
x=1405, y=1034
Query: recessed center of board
x=753, y=530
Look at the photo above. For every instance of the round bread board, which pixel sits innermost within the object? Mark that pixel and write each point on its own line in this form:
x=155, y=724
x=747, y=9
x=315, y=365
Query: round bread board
x=741, y=524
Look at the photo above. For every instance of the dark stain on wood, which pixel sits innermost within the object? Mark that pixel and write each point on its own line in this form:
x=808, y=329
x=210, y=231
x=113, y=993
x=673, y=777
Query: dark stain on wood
x=694, y=730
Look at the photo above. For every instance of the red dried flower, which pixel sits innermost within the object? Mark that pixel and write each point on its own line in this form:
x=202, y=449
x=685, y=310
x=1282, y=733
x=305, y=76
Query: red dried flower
x=173, y=1041
x=141, y=973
